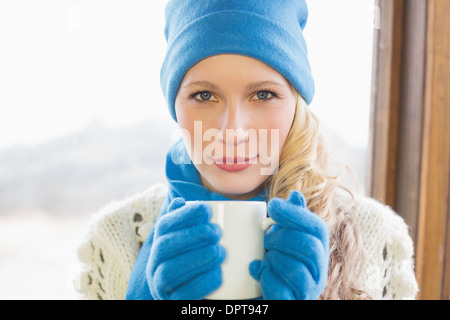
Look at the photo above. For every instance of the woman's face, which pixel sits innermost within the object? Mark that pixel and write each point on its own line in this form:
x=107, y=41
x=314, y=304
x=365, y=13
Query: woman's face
x=235, y=113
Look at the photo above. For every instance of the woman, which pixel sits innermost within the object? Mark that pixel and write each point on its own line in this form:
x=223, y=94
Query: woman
x=238, y=82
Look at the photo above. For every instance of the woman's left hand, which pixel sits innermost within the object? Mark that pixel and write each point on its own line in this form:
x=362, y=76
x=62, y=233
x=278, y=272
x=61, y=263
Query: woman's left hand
x=295, y=265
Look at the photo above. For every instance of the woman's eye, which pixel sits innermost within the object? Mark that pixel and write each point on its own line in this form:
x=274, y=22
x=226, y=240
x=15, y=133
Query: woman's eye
x=205, y=96
x=262, y=95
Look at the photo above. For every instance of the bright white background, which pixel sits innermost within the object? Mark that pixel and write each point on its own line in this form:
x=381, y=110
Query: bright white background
x=64, y=63
x=68, y=65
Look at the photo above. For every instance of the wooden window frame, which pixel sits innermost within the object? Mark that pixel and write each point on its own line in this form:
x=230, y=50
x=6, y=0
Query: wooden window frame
x=409, y=164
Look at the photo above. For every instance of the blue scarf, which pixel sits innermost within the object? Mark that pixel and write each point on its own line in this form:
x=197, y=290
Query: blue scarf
x=184, y=181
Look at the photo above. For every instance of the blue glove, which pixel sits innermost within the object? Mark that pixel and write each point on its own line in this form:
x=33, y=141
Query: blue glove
x=295, y=265
x=185, y=258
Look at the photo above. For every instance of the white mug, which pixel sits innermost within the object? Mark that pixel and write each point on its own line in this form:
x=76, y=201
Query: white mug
x=243, y=225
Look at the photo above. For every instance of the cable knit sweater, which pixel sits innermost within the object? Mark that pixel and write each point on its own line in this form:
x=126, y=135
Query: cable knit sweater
x=117, y=232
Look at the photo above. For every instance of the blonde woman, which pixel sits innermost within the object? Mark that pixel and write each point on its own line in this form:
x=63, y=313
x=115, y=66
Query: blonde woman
x=237, y=72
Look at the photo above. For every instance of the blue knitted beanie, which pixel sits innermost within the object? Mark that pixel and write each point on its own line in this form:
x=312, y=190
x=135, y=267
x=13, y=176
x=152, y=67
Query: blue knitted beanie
x=268, y=30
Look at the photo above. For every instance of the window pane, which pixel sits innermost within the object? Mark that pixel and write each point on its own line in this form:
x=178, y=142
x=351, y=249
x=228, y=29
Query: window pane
x=80, y=126
x=339, y=35
x=83, y=120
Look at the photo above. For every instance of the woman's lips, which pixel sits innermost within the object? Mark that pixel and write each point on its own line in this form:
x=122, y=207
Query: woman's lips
x=234, y=164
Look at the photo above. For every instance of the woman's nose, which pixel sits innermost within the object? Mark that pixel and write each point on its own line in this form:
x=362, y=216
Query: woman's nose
x=234, y=128
x=235, y=136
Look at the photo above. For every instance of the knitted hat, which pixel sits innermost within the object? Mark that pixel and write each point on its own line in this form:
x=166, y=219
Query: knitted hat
x=267, y=30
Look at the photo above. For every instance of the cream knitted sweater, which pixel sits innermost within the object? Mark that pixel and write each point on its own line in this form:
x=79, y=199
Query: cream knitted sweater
x=117, y=231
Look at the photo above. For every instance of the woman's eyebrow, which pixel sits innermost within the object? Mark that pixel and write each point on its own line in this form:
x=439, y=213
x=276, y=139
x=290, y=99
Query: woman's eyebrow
x=205, y=84
x=251, y=86
x=256, y=85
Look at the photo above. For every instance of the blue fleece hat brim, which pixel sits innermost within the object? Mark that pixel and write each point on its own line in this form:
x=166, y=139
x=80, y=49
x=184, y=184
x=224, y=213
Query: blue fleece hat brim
x=236, y=32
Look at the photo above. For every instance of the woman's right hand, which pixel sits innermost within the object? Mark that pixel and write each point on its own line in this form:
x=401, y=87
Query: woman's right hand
x=185, y=259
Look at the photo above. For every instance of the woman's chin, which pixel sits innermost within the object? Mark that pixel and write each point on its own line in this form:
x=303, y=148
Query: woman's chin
x=242, y=184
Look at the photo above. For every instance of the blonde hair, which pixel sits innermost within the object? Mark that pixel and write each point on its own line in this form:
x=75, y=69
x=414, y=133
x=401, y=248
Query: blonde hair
x=305, y=166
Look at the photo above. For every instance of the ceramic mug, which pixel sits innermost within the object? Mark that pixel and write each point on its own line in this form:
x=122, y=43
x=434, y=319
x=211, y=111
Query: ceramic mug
x=243, y=225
